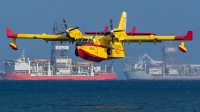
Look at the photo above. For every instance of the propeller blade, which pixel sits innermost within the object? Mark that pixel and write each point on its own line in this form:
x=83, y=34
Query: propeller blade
x=74, y=28
x=107, y=33
x=65, y=24
x=111, y=24
x=112, y=39
x=118, y=30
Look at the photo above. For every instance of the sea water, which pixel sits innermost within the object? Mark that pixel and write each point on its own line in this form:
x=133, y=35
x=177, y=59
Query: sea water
x=119, y=95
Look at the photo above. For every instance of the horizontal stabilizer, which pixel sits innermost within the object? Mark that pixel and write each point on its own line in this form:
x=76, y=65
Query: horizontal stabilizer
x=104, y=32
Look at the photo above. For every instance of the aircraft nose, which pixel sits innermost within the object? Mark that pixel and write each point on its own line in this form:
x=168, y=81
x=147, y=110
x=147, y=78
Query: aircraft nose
x=76, y=52
x=77, y=43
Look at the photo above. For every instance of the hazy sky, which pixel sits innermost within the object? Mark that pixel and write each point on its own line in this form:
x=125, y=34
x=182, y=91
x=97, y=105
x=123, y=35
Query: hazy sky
x=159, y=16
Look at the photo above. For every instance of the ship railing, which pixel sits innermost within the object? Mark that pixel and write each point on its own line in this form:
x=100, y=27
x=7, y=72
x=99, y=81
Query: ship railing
x=80, y=74
x=105, y=72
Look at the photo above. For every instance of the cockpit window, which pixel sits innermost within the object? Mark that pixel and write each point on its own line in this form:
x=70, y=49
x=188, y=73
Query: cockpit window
x=79, y=40
x=85, y=40
x=90, y=40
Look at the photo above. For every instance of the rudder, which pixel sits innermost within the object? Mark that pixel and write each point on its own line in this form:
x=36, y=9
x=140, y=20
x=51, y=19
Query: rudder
x=122, y=22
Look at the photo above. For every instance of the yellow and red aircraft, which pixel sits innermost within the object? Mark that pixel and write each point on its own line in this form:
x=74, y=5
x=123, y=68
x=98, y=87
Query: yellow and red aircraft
x=104, y=45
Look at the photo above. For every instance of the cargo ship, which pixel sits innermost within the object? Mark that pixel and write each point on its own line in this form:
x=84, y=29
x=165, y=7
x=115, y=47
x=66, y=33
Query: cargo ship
x=62, y=69
x=159, y=70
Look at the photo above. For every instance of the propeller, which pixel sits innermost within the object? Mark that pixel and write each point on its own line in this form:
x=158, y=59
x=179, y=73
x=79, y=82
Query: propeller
x=112, y=31
x=67, y=30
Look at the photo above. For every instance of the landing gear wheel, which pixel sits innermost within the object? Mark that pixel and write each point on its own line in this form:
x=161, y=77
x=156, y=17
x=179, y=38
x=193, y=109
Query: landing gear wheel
x=76, y=52
x=109, y=51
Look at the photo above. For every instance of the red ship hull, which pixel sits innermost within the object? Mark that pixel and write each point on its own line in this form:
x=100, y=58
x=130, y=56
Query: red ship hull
x=100, y=76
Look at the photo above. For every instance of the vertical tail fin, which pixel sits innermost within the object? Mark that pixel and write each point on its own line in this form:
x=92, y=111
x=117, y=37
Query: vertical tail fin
x=122, y=22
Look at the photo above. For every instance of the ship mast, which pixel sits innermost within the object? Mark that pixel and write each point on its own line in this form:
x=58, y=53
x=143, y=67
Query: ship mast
x=22, y=56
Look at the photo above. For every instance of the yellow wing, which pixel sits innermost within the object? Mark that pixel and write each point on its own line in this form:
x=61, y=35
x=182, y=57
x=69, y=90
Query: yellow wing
x=75, y=35
x=153, y=38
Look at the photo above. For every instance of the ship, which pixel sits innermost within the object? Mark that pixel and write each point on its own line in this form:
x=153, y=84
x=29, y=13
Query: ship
x=63, y=69
x=159, y=70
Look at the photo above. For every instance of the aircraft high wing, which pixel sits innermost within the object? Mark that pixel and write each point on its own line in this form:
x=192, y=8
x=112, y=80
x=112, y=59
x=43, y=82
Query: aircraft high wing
x=71, y=35
x=155, y=39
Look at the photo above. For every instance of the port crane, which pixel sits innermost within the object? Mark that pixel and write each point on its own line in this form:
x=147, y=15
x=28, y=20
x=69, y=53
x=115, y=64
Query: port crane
x=153, y=62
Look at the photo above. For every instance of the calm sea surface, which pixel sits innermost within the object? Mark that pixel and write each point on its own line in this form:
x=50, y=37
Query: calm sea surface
x=161, y=96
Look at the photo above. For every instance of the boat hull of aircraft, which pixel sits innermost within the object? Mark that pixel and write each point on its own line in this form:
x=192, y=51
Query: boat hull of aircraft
x=98, y=52
x=88, y=56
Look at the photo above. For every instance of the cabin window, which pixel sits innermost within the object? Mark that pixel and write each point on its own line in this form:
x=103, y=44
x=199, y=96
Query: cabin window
x=90, y=40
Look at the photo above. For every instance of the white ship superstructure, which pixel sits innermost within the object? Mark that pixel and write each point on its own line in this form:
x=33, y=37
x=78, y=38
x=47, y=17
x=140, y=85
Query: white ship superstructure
x=20, y=65
x=159, y=70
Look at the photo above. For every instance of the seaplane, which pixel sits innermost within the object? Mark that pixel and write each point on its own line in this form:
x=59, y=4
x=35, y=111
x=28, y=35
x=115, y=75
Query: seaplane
x=103, y=45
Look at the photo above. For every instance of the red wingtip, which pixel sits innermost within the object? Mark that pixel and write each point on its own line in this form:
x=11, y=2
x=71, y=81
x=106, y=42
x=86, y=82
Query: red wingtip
x=10, y=34
x=189, y=35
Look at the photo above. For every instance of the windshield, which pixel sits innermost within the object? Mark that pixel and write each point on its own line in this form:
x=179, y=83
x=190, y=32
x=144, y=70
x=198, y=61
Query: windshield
x=85, y=40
